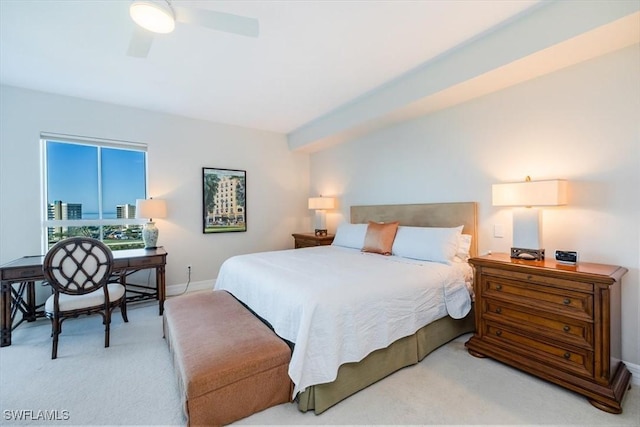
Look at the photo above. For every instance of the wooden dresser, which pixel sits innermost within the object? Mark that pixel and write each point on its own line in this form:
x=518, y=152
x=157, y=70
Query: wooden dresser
x=558, y=322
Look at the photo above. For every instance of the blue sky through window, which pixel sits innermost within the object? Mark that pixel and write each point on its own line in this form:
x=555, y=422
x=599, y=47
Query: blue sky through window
x=72, y=177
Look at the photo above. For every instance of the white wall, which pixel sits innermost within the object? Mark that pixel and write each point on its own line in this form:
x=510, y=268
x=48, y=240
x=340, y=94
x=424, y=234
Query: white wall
x=581, y=124
x=178, y=148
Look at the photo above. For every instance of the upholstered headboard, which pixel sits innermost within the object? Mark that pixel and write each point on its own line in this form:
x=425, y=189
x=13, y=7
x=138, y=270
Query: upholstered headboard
x=424, y=215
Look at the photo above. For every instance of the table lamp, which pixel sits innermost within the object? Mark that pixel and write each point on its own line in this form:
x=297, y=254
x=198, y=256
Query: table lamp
x=527, y=229
x=150, y=208
x=320, y=205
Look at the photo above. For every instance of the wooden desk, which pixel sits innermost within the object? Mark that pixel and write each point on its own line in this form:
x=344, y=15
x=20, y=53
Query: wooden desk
x=18, y=292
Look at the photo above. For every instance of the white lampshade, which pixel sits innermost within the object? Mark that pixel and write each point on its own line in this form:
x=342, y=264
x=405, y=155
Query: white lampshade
x=322, y=203
x=151, y=208
x=530, y=193
x=153, y=15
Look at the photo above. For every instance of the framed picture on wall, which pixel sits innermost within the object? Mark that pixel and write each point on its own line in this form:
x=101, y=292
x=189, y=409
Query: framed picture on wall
x=224, y=195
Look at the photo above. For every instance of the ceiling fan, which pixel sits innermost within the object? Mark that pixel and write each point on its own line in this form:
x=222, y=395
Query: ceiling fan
x=160, y=16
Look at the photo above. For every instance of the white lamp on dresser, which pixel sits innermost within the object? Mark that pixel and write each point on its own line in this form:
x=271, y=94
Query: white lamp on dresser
x=320, y=205
x=525, y=197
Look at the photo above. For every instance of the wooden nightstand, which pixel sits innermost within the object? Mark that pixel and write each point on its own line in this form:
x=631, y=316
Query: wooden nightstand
x=558, y=322
x=305, y=240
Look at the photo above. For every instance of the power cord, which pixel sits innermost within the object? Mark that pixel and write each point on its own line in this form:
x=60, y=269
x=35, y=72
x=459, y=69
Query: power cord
x=188, y=282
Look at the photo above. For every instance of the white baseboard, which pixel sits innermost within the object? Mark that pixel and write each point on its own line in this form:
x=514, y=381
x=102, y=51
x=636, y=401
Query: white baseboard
x=635, y=372
x=180, y=288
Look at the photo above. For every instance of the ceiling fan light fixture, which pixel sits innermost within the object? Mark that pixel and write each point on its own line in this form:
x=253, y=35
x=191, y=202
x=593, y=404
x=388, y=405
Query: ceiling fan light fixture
x=155, y=16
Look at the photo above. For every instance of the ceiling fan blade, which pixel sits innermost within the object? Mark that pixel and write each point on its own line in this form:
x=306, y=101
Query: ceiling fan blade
x=220, y=21
x=140, y=43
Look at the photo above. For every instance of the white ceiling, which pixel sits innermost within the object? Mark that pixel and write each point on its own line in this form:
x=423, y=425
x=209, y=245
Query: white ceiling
x=311, y=56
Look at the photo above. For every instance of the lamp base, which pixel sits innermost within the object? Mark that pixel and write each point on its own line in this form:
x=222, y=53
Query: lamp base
x=150, y=235
x=530, y=254
x=320, y=232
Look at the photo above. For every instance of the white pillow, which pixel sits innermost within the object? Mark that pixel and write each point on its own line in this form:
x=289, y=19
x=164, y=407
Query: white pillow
x=464, y=246
x=350, y=235
x=427, y=243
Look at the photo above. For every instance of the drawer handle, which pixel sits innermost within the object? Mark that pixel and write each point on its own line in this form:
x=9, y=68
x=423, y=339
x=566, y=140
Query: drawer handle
x=566, y=301
x=28, y=273
x=567, y=355
x=498, y=287
x=498, y=310
x=498, y=333
x=566, y=328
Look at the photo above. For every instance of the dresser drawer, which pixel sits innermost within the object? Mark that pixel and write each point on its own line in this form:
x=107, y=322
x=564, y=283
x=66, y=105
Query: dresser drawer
x=120, y=264
x=306, y=243
x=145, y=262
x=558, y=328
x=556, y=355
x=308, y=240
x=546, y=298
x=23, y=273
x=540, y=279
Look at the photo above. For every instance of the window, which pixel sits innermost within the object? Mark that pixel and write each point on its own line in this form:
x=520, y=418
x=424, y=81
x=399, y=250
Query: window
x=90, y=189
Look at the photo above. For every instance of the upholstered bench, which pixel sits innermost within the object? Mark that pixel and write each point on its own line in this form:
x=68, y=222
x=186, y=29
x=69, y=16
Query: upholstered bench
x=229, y=364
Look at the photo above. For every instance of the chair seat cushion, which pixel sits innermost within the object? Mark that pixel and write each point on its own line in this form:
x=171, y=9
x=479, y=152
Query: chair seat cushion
x=92, y=299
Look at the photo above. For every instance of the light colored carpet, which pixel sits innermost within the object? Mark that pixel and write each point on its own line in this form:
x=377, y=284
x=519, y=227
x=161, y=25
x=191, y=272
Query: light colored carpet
x=132, y=383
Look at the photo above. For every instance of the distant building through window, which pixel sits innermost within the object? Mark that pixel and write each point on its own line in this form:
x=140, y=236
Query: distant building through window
x=62, y=211
x=126, y=211
x=90, y=189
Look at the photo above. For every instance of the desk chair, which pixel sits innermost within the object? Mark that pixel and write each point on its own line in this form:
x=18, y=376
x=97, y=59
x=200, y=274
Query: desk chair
x=78, y=270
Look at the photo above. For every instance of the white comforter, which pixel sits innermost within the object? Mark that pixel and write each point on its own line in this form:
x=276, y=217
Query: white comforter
x=338, y=305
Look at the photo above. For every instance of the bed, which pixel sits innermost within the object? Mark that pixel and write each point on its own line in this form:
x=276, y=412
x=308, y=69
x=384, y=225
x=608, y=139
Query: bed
x=353, y=317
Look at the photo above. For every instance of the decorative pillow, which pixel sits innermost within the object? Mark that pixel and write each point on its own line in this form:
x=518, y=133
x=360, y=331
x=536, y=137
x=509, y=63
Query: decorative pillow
x=427, y=243
x=379, y=237
x=350, y=235
x=464, y=246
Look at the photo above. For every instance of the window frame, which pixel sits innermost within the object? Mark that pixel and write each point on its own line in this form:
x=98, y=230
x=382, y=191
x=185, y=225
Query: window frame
x=100, y=222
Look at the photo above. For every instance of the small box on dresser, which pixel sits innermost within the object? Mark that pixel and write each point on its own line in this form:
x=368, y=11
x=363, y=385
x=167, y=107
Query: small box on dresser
x=556, y=321
x=306, y=240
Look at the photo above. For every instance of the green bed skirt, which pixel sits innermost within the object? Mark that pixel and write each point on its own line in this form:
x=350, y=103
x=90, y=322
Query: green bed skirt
x=407, y=351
